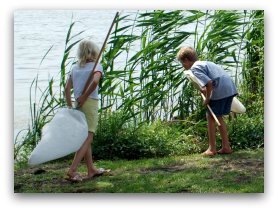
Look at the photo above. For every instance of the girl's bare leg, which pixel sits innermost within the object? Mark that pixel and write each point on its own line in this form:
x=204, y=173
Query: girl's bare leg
x=89, y=162
x=80, y=154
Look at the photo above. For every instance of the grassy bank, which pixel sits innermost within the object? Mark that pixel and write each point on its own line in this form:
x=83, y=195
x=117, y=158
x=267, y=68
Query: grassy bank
x=241, y=172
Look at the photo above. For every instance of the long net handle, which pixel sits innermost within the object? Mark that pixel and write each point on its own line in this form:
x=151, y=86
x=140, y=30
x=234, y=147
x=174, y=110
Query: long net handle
x=211, y=111
x=204, y=98
x=102, y=49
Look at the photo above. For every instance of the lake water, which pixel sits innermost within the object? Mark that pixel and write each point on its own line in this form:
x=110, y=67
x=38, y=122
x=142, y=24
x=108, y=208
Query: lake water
x=35, y=31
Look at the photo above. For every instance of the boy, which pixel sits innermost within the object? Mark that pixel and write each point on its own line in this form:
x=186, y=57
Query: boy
x=219, y=90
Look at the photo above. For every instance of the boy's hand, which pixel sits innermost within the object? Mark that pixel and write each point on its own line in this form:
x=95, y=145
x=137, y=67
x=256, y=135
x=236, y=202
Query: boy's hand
x=206, y=102
x=208, y=92
x=204, y=91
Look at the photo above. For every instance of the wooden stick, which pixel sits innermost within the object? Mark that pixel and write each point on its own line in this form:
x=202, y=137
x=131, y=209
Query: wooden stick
x=197, y=85
x=102, y=49
x=211, y=111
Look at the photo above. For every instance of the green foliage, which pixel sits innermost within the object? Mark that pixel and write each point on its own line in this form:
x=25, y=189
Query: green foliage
x=116, y=139
x=253, y=69
x=151, y=85
x=247, y=131
x=151, y=80
x=221, y=37
x=111, y=125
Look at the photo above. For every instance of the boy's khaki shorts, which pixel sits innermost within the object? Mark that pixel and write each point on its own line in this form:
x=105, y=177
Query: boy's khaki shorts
x=90, y=109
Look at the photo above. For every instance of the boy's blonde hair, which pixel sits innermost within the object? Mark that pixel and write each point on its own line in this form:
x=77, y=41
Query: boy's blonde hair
x=187, y=53
x=87, y=50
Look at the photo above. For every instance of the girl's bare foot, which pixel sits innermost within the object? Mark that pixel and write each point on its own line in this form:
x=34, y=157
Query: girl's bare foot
x=225, y=151
x=70, y=173
x=209, y=153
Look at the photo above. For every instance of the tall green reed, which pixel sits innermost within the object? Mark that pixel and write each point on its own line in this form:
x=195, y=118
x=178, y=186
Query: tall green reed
x=156, y=87
x=253, y=71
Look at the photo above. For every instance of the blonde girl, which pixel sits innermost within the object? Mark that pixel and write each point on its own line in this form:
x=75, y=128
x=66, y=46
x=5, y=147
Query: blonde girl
x=87, y=102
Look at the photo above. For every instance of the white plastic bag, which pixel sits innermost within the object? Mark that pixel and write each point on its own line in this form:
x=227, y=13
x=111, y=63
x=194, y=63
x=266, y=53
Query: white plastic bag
x=63, y=135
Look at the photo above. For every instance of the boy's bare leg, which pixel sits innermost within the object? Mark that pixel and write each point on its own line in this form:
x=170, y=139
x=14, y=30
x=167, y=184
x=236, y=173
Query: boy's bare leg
x=226, y=149
x=211, y=133
x=89, y=162
x=79, y=155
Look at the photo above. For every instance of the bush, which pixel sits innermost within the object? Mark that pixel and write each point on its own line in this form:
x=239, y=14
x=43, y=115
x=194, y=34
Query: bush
x=115, y=139
x=118, y=139
x=247, y=132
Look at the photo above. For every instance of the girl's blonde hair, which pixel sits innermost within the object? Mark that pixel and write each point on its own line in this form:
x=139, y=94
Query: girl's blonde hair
x=187, y=53
x=87, y=51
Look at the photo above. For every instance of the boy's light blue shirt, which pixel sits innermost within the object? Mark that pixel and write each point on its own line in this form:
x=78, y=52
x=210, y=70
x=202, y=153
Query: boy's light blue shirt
x=223, y=86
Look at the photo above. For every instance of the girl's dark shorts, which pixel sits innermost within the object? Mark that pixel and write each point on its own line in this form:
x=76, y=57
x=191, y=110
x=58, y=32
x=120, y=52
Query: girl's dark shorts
x=222, y=106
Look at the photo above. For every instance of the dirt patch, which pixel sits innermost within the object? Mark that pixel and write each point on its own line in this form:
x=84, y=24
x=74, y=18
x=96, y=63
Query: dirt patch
x=246, y=165
x=175, y=168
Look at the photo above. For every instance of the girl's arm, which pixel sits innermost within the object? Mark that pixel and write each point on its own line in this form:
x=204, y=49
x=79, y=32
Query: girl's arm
x=68, y=92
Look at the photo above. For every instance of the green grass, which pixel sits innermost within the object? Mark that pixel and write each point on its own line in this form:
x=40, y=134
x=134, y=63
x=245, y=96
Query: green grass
x=241, y=172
